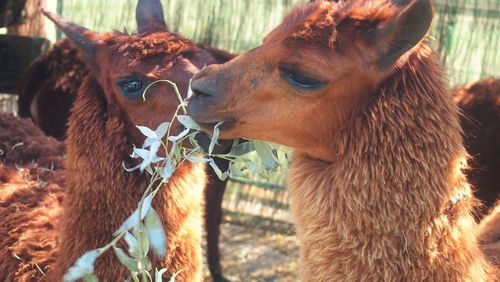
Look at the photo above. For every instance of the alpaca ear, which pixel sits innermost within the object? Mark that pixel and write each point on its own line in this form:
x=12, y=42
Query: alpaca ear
x=83, y=38
x=396, y=36
x=149, y=16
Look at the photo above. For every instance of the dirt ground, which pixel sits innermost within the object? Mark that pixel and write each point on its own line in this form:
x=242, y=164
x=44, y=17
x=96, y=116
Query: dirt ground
x=256, y=249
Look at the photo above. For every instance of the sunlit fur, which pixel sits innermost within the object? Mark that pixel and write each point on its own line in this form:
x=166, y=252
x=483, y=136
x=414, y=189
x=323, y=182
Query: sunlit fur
x=49, y=89
x=488, y=234
x=376, y=182
x=382, y=210
x=99, y=194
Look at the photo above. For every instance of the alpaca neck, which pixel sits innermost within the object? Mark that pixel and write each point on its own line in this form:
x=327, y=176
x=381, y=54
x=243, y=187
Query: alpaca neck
x=384, y=203
x=100, y=193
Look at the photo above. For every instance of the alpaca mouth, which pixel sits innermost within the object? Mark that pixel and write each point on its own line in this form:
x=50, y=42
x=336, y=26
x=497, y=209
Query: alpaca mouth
x=227, y=124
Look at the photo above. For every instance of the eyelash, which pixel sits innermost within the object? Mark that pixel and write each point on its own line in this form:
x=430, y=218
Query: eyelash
x=298, y=80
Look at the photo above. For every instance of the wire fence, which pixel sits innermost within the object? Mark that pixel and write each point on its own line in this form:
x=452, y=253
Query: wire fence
x=466, y=35
x=466, y=32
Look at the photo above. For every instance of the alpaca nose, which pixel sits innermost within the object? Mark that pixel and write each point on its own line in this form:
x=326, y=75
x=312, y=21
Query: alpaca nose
x=205, y=88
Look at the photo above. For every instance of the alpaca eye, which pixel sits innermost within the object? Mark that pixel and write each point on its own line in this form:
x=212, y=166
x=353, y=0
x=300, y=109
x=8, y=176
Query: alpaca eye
x=131, y=87
x=299, y=80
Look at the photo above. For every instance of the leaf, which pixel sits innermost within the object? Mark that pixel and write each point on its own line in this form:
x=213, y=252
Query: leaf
x=142, y=153
x=235, y=171
x=180, y=136
x=197, y=159
x=168, y=170
x=145, y=265
x=147, y=132
x=134, y=276
x=242, y=149
x=162, y=129
x=157, y=237
x=144, y=239
x=86, y=261
x=74, y=273
x=90, y=278
x=254, y=168
x=133, y=245
x=265, y=154
x=159, y=274
x=131, y=169
x=130, y=263
x=190, y=90
x=83, y=265
x=222, y=175
x=193, y=141
x=172, y=279
x=215, y=137
x=132, y=220
x=188, y=122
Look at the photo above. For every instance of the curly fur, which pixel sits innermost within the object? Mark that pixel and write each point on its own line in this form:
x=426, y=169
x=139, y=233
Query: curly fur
x=31, y=194
x=382, y=210
x=376, y=183
x=47, y=226
x=50, y=87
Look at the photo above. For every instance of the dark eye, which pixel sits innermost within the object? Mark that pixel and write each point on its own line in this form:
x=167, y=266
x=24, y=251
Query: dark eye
x=299, y=80
x=131, y=87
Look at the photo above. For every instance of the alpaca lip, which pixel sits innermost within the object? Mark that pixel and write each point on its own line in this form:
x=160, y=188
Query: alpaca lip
x=227, y=124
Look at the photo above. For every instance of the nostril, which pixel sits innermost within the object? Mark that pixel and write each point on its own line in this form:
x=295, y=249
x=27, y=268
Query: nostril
x=204, y=89
x=199, y=94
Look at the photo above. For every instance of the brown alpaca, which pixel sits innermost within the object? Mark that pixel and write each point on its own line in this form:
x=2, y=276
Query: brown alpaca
x=99, y=194
x=23, y=144
x=31, y=193
x=376, y=181
x=480, y=106
x=49, y=87
x=48, y=91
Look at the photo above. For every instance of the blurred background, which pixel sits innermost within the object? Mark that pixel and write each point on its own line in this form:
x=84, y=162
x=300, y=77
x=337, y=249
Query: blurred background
x=258, y=230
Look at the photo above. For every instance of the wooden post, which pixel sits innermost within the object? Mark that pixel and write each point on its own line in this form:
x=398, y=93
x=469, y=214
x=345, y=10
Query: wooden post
x=33, y=23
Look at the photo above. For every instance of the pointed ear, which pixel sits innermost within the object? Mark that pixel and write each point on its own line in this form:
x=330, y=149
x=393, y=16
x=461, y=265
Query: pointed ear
x=149, y=16
x=394, y=37
x=84, y=39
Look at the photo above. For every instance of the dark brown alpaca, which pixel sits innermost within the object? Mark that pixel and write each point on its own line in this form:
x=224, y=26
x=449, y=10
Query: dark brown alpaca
x=99, y=194
x=48, y=91
x=49, y=87
x=480, y=106
x=376, y=181
x=31, y=193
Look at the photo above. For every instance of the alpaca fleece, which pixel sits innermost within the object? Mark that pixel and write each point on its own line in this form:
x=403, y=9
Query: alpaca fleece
x=384, y=206
x=31, y=196
x=46, y=227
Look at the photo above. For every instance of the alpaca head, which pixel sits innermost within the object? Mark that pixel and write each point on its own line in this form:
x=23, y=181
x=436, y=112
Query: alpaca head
x=311, y=73
x=125, y=65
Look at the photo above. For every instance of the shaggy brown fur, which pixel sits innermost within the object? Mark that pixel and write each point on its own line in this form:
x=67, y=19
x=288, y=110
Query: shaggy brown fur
x=48, y=92
x=31, y=178
x=376, y=181
x=49, y=86
x=99, y=194
x=480, y=105
x=22, y=143
x=488, y=235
